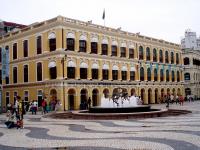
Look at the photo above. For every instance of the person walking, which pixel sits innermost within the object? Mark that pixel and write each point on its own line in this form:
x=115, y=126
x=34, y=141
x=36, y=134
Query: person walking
x=89, y=102
x=44, y=105
x=181, y=99
x=20, y=115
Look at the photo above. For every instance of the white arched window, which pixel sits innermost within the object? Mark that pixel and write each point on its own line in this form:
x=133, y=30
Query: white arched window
x=70, y=41
x=105, y=71
x=52, y=70
x=115, y=69
x=94, y=44
x=95, y=66
x=71, y=64
x=104, y=46
x=52, y=41
x=124, y=72
x=95, y=71
x=83, y=70
x=83, y=43
x=71, y=69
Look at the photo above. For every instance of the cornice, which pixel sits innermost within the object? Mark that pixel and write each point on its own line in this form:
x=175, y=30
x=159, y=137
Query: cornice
x=32, y=29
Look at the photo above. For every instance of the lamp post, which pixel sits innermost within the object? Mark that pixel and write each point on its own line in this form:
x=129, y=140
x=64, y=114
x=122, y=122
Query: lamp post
x=63, y=71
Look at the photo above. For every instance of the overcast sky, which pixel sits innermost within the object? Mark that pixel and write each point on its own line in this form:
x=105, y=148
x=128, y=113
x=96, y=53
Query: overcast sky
x=162, y=19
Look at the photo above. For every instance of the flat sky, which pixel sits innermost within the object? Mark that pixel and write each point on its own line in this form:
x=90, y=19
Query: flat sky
x=161, y=19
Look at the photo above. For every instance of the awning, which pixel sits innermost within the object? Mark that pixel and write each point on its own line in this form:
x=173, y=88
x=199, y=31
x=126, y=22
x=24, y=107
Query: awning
x=83, y=65
x=70, y=35
x=131, y=46
x=115, y=67
x=52, y=64
x=94, y=39
x=95, y=66
x=105, y=67
x=124, y=68
x=132, y=69
x=83, y=37
x=71, y=64
x=52, y=35
x=114, y=43
x=105, y=41
x=123, y=44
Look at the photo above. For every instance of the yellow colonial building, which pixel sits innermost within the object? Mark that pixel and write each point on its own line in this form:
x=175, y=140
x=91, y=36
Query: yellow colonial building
x=72, y=60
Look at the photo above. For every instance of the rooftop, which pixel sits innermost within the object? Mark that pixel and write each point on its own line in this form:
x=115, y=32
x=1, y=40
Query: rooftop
x=90, y=25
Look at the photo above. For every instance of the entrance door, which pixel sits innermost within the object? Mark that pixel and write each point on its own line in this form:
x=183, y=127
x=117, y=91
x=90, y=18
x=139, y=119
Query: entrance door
x=71, y=102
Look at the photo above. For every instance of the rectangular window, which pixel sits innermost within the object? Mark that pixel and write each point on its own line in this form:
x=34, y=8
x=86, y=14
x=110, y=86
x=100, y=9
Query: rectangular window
x=94, y=47
x=124, y=75
x=70, y=44
x=105, y=74
x=82, y=46
x=25, y=73
x=114, y=74
x=132, y=75
x=52, y=44
x=15, y=75
x=39, y=45
x=7, y=80
x=104, y=48
x=83, y=73
x=25, y=47
x=114, y=50
x=71, y=72
x=7, y=98
x=123, y=51
x=94, y=73
x=131, y=53
x=15, y=51
x=39, y=71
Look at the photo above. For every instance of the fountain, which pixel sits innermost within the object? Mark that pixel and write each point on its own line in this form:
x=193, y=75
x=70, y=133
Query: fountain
x=119, y=106
x=120, y=102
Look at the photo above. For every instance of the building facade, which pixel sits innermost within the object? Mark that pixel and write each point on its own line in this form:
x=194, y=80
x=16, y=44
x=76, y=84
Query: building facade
x=6, y=27
x=190, y=41
x=71, y=60
x=191, y=60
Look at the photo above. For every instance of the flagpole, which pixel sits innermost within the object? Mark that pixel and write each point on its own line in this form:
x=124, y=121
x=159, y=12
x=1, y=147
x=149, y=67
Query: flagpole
x=103, y=17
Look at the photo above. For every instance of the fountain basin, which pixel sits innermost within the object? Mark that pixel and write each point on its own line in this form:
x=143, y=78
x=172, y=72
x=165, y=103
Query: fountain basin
x=139, y=108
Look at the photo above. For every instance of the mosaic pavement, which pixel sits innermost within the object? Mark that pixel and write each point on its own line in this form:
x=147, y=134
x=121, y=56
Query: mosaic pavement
x=164, y=133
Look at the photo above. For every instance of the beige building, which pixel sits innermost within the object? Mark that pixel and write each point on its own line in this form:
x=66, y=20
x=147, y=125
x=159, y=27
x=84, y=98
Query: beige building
x=71, y=60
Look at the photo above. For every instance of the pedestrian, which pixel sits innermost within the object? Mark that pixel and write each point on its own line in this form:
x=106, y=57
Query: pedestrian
x=181, y=99
x=58, y=105
x=177, y=99
x=20, y=115
x=34, y=107
x=167, y=99
x=44, y=105
x=89, y=102
x=11, y=121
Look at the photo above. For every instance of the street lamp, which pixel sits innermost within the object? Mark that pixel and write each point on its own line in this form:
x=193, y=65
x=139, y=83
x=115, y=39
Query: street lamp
x=63, y=71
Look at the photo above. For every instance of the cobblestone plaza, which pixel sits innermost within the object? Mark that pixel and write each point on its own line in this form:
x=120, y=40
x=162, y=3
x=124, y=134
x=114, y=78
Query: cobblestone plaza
x=164, y=133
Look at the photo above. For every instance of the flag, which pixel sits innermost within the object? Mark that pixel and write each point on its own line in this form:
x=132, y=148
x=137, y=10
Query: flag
x=169, y=67
x=5, y=63
x=104, y=15
x=150, y=66
x=157, y=66
x=163, y=67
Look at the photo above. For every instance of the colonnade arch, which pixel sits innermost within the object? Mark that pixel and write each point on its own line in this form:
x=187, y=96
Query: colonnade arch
x=149, y=95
